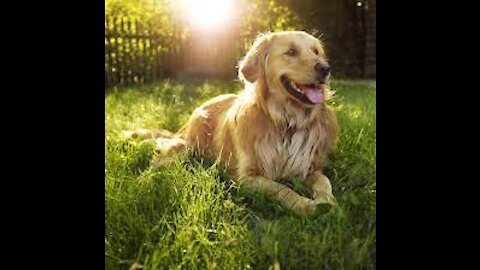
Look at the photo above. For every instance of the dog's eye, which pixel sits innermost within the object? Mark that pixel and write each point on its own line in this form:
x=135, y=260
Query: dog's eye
x=291, y=52
x=315, y=51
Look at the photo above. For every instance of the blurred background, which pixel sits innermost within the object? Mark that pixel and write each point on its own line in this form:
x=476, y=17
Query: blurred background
x=150, y=40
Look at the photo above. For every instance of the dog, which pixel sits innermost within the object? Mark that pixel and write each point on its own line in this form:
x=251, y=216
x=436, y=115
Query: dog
x=279, y=126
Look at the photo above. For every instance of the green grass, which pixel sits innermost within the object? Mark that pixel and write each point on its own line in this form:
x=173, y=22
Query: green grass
x=190, y=215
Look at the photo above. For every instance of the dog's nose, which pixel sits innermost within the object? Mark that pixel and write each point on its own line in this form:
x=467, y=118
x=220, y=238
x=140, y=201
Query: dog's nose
x=322, y=69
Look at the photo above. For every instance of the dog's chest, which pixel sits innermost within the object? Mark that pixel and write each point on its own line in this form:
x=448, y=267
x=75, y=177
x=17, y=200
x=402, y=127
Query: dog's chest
x=288, y=154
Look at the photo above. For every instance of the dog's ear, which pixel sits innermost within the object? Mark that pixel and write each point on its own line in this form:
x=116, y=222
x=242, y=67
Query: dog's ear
x=251, y=65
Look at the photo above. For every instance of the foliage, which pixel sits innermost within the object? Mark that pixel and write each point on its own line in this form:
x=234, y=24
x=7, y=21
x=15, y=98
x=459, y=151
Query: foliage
x=161, y=17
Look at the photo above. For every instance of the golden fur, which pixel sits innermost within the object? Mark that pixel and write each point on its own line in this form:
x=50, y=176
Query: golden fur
x=265, y=134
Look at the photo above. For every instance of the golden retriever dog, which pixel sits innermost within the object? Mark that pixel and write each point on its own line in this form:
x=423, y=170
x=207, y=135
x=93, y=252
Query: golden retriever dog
x=278, y=127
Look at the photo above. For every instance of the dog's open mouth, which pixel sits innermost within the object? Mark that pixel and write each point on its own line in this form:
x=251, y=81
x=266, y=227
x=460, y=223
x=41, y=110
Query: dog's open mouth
x=308, y=93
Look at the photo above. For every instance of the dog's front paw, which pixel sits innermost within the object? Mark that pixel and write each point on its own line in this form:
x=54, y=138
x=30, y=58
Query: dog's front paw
x=324, y=198
x=320, y=204
x=305, y=207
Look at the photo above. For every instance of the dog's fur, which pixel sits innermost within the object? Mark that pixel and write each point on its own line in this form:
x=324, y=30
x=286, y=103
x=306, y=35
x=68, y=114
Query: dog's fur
x=265, y=133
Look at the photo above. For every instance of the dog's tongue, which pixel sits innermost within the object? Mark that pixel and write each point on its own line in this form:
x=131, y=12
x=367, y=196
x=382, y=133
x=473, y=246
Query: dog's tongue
x=315, y=95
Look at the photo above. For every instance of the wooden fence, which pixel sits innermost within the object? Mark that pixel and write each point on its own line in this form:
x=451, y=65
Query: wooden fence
x=135, y=55
x=132, y=53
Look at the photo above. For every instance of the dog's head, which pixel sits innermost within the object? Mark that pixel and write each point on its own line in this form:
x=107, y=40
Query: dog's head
x=292, y=64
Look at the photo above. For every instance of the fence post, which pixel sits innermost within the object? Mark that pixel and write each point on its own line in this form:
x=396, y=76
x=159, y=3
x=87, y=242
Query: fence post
x=371, y=39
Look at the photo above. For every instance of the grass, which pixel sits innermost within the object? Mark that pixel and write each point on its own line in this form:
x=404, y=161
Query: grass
x=190, y=215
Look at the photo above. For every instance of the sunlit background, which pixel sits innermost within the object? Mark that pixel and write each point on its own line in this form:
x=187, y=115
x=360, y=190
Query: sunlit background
x=148, y=40
x=208, y=14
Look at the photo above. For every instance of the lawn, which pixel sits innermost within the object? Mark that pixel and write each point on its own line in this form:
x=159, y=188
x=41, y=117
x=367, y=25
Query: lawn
x=190, y=215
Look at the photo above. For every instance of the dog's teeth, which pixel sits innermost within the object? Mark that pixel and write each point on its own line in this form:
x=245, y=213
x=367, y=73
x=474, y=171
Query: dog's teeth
x=297, y=88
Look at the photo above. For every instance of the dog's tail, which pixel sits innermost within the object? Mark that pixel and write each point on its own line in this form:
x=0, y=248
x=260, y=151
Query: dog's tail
x=167, y=144
x=148, y=134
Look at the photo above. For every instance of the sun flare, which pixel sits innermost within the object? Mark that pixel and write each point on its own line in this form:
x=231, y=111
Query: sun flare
x=208, y=14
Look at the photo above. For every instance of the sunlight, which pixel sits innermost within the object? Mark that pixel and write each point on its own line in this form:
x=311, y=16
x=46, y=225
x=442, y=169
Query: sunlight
x=208, y=14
